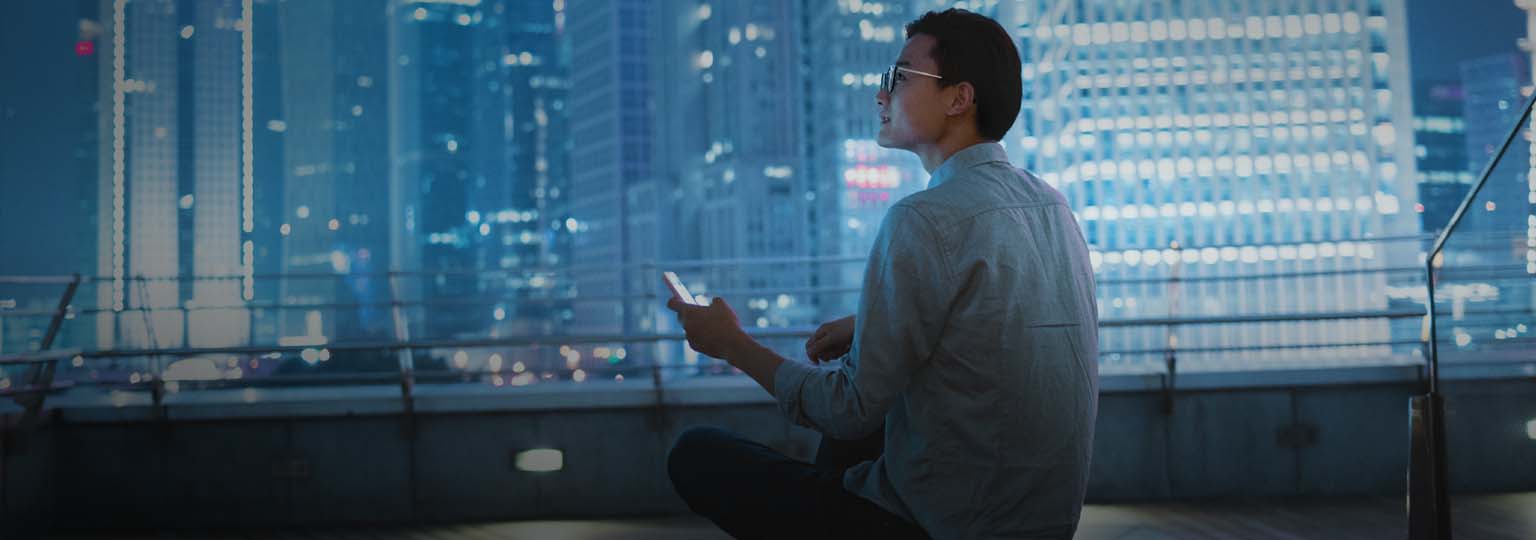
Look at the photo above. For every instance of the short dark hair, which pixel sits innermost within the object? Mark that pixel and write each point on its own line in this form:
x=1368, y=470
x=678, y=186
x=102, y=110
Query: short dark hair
x=973, y=48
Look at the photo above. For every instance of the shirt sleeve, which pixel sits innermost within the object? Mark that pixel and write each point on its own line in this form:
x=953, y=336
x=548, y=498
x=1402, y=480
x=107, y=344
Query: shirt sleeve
x=903, y=307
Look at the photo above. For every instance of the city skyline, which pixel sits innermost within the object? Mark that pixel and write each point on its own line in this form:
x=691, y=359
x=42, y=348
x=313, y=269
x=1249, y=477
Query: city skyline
x=482, y=138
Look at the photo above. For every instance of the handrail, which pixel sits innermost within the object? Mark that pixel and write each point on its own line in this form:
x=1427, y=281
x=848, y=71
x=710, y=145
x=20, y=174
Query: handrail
x=1482, y=180
x=784, y=333
x=1432, y=260
x=49, y=279
x=1429, y=512
x=778, y=333
x=484, y=300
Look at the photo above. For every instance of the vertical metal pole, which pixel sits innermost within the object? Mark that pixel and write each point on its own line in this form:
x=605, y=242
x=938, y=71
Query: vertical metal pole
x=1170, y=354
x=407, y=360
x=1429, y=507
x=1434, y=344
x=649, y=269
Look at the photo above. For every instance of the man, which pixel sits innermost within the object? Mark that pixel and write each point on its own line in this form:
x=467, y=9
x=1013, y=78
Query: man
x=974, y=346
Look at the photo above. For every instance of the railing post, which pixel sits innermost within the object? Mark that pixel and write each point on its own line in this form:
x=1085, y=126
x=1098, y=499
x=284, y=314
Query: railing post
x=1170, y=355
x=1429, y=505
x=407, y=360
x=42, y=379
x=658, y=387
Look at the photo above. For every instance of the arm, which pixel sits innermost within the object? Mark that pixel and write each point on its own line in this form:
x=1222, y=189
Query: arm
x=759, y=362
x=904, y=305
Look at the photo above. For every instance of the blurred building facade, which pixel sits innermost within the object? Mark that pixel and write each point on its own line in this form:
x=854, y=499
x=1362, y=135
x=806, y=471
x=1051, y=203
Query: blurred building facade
x=177, y=183
x=527, y=168
x=1204, y=137
x=847, y=45
x=1497, y=87
x=333, y=123
x=1440, y=148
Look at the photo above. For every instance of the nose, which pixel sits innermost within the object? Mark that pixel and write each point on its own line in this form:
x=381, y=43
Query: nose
x=882, y=97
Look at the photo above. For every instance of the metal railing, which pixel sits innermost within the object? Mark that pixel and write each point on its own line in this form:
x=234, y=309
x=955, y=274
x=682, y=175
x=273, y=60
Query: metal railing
x=654, y=355
x=1498, y=206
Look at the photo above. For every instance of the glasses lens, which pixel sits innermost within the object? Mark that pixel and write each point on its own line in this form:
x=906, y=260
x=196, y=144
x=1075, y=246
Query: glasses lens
x=885, y=82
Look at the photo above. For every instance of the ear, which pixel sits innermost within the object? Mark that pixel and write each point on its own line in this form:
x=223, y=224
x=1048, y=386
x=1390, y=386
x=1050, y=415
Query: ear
x=964, y=98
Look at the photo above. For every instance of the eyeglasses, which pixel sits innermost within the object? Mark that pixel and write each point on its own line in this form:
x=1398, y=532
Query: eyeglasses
x=888, y=79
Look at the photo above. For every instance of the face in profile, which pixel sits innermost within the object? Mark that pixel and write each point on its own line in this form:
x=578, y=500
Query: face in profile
x=912, y=108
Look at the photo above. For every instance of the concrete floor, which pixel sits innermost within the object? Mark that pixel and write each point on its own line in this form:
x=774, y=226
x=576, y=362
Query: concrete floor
x=1475, y=517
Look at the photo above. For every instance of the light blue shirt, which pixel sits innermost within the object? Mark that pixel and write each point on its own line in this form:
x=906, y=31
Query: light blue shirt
x=976, y=345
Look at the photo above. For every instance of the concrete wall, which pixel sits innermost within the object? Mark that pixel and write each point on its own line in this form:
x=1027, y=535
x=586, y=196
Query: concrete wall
x=26, y=467
x=455, y=467
x=364, y=470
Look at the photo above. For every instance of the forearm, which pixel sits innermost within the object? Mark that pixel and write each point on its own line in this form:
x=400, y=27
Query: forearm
x=759, y=362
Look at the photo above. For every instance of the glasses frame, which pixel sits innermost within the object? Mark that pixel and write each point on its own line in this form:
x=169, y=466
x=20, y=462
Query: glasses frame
x=888, y=79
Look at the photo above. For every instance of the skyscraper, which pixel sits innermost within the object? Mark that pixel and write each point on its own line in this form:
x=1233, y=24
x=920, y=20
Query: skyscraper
x=613, y=194
x=335, y=207
x=1440, y=148
x=169, y=168
x=1207, y=137
x=852, y=181
x=1497, y=86
x=521, y=215
x=743, y=61
x=435, y=69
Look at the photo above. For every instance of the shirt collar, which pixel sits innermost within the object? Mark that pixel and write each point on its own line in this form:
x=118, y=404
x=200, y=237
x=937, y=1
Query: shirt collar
x=971, y=156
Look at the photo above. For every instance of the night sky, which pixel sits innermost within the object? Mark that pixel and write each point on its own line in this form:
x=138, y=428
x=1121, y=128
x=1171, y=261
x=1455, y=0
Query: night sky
x=41, y=231
x=38, y=221
x=1442, y=33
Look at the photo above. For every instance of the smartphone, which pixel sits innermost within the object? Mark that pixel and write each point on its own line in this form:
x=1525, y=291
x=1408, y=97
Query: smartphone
x=678, y=288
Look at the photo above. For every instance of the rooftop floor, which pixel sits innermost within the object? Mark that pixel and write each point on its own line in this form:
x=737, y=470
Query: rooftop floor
x=1475, y=517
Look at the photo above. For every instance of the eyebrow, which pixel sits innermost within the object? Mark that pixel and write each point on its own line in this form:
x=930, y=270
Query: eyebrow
x=903, y=63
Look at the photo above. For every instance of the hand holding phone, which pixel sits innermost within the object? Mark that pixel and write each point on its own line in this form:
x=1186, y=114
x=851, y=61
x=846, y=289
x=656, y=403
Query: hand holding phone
x=678, y=289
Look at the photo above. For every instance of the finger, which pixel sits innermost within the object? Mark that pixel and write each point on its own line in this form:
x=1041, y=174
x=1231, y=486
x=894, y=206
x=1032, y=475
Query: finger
x=675, y=304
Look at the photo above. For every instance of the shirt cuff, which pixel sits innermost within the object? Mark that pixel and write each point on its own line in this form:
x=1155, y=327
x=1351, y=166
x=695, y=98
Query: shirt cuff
x=787, y=382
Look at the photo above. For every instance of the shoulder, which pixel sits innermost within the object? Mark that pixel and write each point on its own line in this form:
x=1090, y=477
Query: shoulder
x=982, y=191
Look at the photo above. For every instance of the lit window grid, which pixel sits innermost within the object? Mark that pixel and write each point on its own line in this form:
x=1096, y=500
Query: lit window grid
x=222, y=154
x=844, y=69
x=1057, y=98
x=151, y=36
x=1337, y=115
x=748, y=95
x=863, y=60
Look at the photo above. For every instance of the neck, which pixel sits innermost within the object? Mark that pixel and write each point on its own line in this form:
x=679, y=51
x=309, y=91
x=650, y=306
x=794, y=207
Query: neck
x=934, y=154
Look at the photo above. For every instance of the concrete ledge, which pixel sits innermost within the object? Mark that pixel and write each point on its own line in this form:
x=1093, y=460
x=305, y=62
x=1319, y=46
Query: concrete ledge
x=98, y=405
x=340, y=456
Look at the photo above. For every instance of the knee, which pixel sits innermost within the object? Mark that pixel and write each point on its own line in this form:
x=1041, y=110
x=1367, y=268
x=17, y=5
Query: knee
x=694, y=449
x=693, y=446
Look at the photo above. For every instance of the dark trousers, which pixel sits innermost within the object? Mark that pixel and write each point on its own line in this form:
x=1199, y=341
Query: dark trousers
x=752, y=491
